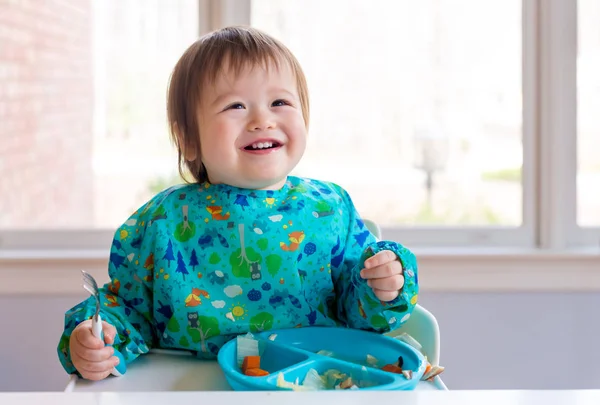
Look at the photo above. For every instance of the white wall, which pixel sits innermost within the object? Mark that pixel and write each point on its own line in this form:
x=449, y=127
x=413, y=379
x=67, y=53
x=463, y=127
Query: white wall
x=492, y=340
x=519, y=341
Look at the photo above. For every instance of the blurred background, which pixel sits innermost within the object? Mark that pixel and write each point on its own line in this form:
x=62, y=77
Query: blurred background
x=416, y=106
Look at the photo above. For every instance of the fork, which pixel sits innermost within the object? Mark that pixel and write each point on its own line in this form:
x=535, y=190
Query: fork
x=90, y=285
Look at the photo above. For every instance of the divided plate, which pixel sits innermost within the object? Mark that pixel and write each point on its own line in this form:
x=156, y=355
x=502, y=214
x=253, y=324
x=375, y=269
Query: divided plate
x=293, y=352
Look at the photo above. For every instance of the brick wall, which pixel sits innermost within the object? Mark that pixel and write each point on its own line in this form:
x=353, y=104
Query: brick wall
x=46, y=103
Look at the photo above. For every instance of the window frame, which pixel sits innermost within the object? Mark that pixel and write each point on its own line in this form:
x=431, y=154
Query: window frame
x=549, y=64
x=557, y=153
x=557, y=159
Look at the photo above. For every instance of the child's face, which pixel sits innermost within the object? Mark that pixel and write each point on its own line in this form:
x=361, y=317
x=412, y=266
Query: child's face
x=252, y=132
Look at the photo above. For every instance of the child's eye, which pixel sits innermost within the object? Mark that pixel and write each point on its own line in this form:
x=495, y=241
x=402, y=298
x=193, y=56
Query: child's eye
x=235, y=106
x=279, y=103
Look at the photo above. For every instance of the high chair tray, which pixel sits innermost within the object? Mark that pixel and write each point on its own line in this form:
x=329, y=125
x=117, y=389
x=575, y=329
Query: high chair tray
x=167, y=370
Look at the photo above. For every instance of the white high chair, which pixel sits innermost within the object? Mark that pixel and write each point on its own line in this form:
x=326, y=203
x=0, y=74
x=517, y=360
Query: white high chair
x=421, y=325
x=173, y=370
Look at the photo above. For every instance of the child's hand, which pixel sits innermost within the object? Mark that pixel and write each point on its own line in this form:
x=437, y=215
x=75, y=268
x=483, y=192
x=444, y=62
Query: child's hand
x=383, y=273
x=89, y=355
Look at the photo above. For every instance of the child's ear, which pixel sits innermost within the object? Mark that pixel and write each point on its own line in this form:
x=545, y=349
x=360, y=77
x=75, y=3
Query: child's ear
x=189, y=151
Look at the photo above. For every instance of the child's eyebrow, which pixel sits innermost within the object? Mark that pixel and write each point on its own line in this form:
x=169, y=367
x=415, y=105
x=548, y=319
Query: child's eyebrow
x=221, y=97
x=286, y=91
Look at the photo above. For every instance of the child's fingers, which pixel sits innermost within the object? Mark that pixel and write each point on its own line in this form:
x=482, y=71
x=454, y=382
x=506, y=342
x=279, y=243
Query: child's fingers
x=388, y=269
x=95, y=376
x=86, y=339
x=88, y=366
x=380, y=258
x=95, y=355
x=393, y=283
x=385, y=296
x=109, y=332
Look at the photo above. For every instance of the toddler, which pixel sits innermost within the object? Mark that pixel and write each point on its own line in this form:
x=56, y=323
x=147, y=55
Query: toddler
x=246, y=247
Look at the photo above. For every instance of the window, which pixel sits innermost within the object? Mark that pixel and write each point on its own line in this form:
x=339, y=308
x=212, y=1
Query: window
x=415, y=115
x=588, y=123
x=450, y=122
x=84, y=135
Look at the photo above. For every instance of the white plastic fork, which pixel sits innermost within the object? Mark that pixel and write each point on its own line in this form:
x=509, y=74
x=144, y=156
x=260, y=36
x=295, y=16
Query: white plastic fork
x=90, y=285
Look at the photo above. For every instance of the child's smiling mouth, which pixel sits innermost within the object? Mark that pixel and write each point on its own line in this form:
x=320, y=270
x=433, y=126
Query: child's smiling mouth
x=262, y=146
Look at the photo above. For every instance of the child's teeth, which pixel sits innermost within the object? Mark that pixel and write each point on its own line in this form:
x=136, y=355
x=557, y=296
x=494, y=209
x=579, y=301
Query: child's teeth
x=262, y=145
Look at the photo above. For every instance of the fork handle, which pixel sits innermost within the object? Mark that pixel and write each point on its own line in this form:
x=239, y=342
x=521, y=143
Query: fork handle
x=97, y=328
x=120, y=369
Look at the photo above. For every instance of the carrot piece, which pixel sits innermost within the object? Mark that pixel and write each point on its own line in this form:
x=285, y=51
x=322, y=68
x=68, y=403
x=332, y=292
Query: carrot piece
x=392, y=369
x=427, y=368
x=255, y=372
x=250, y=362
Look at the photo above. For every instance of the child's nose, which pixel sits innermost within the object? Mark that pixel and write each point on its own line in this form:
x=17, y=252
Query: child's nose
x=261, y=121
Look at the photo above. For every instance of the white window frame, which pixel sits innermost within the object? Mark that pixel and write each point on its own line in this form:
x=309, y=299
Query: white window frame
x=557, y=152
x=549, y=163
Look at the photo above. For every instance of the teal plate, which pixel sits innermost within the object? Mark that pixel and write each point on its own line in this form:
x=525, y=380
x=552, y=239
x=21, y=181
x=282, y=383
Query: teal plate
x=293, y=352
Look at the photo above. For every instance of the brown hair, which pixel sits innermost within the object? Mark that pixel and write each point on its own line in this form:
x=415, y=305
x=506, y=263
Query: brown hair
x=200, y=64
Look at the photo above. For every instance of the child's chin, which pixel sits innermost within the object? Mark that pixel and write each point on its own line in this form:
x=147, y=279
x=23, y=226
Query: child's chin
x=266, y=183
